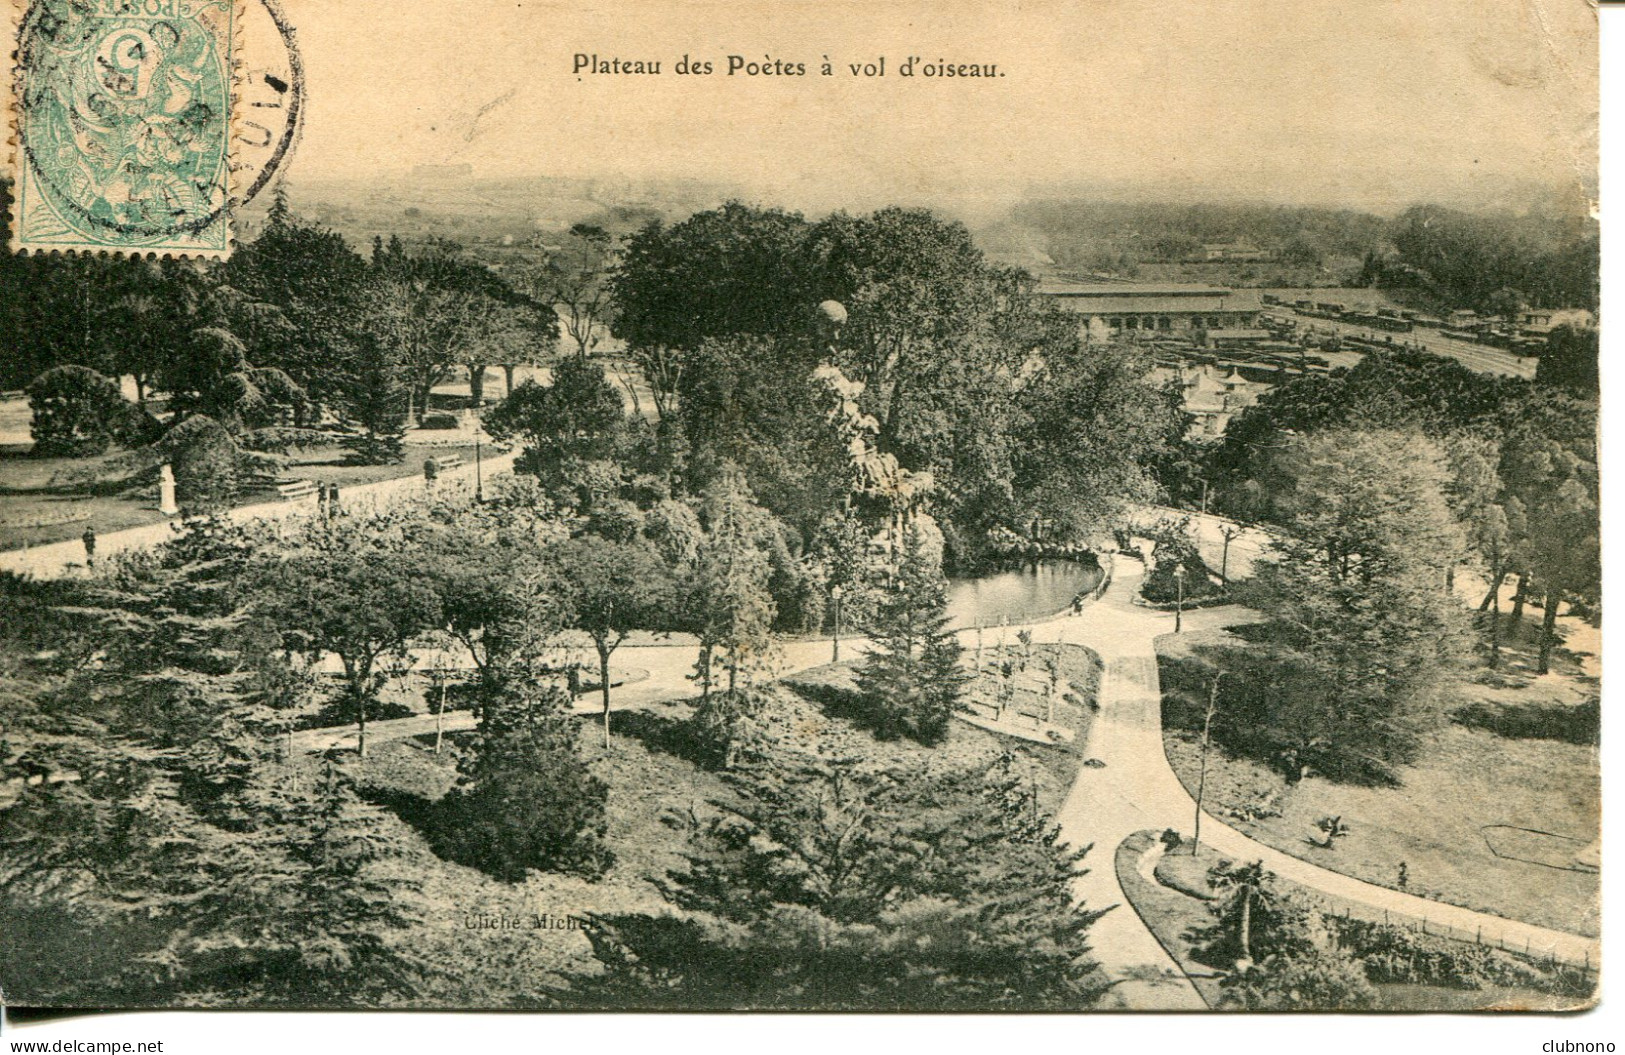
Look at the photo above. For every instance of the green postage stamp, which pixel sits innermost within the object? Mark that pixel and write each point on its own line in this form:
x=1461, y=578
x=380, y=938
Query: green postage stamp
x=122, y=114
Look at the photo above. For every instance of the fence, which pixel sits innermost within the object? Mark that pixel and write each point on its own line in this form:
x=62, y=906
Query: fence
x=1586, y=966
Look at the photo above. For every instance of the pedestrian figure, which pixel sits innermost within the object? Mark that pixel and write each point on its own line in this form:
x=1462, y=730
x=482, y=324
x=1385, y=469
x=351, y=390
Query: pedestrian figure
x=1077, y=605
x=1404, y=876
x=333, y=499
x=89, y=539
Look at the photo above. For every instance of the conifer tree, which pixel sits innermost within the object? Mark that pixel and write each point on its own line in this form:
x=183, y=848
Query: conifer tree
x=822, y=884
x=526, y=799
x=911, y=675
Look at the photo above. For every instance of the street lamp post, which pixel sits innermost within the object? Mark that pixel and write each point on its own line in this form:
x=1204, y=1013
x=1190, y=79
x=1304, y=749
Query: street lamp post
x=835, y=594
x=1179, y=602
x=479, y=478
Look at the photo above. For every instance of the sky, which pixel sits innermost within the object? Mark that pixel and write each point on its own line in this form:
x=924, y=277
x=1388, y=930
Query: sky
x=1366, y=103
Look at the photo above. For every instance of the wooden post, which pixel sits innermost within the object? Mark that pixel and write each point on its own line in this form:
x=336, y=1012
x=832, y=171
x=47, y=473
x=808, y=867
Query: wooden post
x=1201, y=780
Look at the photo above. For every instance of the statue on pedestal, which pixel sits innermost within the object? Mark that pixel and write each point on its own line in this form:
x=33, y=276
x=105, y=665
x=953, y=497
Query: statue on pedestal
x=166, y=491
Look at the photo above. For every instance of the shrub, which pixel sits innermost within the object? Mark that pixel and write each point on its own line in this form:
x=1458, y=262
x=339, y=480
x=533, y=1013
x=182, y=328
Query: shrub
x=1320, y=980
x=526, y=800
x=1398, y=954
x=434, y=422
x=1570, y=724
x=207, y=463
x=615, y=519
x=1162, y=587
x=723, y=725
x=278, y=439
x=77, y=412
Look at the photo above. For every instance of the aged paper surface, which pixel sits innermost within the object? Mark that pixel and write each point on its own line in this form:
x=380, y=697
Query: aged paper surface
x=844, y=507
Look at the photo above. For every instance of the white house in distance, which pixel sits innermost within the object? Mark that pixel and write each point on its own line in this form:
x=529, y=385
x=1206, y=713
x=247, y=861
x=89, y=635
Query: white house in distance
x=1113, y=309
x=1213, y=395
x=1540, y=322
x=1233, y=251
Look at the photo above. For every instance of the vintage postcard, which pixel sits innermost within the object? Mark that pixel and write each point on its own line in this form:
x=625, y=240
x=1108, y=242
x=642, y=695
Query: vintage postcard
x=917, y=507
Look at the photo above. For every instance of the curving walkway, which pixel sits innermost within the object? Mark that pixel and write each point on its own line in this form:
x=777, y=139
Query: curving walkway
x=1139, y=790
x=1134, y=791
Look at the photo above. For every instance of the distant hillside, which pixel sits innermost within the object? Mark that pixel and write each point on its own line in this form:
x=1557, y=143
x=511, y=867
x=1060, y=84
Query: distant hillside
x=493, y=214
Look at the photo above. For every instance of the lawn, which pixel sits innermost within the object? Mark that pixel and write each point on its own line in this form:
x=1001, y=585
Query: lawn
x=515, y=965
x=45, y=500
x=1169, y=904
x=809, y=726
x=1486, y=822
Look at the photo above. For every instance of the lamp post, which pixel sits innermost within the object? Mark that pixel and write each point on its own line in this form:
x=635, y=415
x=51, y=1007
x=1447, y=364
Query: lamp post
x=1179, y=602
x=835, y=595
x=1228, y=532
x=479, y=479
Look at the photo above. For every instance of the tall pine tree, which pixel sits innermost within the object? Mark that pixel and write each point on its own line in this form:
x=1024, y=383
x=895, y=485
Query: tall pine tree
x=912, y=676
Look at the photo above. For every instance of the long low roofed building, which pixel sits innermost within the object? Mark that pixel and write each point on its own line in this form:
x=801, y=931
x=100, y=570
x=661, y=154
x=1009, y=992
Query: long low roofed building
x=1115, y=308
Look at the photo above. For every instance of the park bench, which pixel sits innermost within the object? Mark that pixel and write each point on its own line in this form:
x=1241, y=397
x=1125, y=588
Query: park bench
x=449, y=462
x=294, y=490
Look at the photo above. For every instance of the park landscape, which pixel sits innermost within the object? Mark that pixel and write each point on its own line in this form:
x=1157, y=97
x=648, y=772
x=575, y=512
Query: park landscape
x=644, y=659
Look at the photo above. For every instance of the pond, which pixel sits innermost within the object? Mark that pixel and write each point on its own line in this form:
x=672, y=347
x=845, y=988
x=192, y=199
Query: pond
x=1019, y=595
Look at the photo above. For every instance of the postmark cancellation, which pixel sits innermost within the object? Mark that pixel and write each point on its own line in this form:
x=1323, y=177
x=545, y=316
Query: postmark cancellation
x=121, y=125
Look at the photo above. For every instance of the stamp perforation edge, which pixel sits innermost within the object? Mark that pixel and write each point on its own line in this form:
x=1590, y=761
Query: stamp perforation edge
x=16, y=14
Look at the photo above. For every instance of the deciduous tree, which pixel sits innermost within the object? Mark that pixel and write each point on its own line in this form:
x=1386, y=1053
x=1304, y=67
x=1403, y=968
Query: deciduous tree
x=611, y=589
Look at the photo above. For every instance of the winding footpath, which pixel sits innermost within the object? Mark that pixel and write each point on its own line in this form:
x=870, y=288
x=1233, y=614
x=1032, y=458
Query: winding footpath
x=1138, y=790
x=1135, y=790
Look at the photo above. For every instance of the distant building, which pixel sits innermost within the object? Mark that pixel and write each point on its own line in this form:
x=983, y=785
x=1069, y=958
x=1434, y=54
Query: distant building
x=463, y=171
x=1233, y=251
x=1119, y=308
x=1540, y=322
x=1213, y=394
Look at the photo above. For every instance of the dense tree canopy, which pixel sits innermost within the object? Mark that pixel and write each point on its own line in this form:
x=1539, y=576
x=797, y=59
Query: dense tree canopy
x=968, y=374
x=1469, y=259
x=819, y=885
x=1365, y=631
